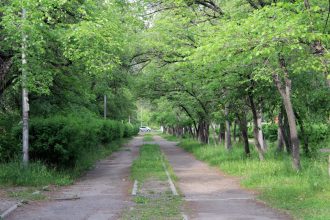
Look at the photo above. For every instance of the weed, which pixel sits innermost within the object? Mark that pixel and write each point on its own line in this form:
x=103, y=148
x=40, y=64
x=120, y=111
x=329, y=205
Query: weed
x=305, y=194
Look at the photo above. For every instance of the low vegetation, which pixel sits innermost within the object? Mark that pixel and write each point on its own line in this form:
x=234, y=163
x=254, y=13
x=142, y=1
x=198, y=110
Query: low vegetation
x=39, y=174
x=148, y=138
x=305, y=194
x=148, y=170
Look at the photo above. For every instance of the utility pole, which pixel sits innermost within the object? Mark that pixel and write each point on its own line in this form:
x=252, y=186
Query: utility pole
x=25, y=95
x=105, y=107
x=141, y=116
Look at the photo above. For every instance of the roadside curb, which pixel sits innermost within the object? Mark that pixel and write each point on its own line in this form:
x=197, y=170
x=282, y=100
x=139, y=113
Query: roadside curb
x=135, y=188
x=10, y=210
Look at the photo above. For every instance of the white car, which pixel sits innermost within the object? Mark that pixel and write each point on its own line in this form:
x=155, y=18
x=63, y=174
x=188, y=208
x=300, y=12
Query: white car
x=145, y=129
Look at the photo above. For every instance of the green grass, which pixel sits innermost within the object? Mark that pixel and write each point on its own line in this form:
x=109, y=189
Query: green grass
x=165, y=207
x=148, y=164
x=153, y=205
x=306, y=194
x=170, y=137
x=27, y=195
x=148, y=137
x=38, y=174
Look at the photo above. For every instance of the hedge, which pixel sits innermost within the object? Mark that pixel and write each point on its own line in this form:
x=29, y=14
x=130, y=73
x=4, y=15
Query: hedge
x=61, y=140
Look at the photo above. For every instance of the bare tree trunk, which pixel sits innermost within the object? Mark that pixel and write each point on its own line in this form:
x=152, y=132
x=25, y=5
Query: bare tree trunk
x=303, y=134
x=307, y=4
x=234, y=133
x=285, y=92
x=260, y=133
x=203, y=131
x=105, y=107
x=228, y=144
x=255, y=128
x=25, y=98
x=244, y=131
x=280, y=139
x=214, y=134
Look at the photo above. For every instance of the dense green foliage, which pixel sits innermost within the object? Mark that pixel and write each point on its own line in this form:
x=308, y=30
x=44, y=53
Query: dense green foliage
x=75, y=56
x=61, y=140
x=232, y=63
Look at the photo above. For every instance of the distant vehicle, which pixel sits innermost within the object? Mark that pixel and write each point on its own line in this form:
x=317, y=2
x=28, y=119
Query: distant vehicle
x=145, y=129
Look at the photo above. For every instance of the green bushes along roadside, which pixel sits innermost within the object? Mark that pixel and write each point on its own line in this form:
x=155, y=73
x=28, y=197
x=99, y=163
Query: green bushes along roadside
x=59, y=143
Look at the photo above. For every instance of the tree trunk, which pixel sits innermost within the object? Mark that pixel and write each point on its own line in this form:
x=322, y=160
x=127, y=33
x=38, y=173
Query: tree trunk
x=105, y=107
x=203, y=134
x=255, y=128
x=244, y=132
x=214, y=134
x=25, y=98
x=286, y=135
x=260, y=133
x=285, y=92
x=234, y=133
x=228, y=144
x=280, y=140
x=303, y=134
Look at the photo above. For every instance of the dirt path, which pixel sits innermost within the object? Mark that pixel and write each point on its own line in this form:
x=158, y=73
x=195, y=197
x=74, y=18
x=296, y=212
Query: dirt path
x=103, y=192
x=210, y=194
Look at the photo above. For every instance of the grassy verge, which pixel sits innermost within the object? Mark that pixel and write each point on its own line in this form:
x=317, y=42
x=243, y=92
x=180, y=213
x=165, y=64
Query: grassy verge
x=38, y=174
x=170, y=137
x=148, y=170
x=306, y=195
x=148, y=137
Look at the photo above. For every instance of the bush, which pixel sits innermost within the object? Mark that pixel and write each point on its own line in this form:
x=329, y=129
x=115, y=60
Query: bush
x=9, y=144
x=62, y=140
x=317, y=132
x=270, y=131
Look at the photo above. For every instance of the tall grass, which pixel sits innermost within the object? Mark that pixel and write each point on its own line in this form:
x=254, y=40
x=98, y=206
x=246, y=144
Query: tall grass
x=305, y=194
x=38, y=174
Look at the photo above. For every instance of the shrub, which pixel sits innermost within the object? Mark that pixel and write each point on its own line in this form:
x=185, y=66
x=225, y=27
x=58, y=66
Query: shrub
x=317, y=132
x=62, y=140
x=9, y=145
x=270, y=131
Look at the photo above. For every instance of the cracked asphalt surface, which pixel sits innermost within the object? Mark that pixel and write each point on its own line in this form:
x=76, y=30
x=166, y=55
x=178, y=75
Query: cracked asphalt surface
x=103, y=191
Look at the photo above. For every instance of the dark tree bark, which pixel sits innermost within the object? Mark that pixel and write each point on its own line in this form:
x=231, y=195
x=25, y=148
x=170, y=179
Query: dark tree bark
x=234, y=132
x=244, y=132
x=286, y=134
x=303, y=134
x=221, y=135
x=280, y=139
x=203, y=132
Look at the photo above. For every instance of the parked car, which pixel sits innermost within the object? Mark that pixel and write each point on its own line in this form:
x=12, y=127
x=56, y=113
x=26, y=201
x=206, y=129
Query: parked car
x=145, y=129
